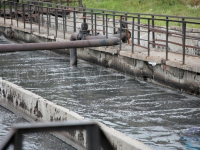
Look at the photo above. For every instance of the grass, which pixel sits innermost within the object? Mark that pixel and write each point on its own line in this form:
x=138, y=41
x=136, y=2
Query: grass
x=186, y=8
x=189, y=8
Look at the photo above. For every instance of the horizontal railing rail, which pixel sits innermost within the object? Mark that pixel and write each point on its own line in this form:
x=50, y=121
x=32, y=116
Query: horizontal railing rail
x=96, y=139
x=145, y=32
x=75, y=3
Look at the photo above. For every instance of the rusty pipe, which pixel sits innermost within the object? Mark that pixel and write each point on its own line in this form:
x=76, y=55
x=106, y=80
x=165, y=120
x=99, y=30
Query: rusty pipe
x=74, y=37
x=58, y=45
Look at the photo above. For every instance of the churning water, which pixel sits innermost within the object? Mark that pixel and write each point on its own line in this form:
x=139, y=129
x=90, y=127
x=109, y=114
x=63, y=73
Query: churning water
x=39, y=141
x=159, y=117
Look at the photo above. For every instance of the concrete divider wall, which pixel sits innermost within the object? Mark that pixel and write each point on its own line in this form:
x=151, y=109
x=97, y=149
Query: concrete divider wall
x=35, y=108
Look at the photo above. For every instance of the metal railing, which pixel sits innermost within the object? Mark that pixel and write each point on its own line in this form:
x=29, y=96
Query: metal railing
x=96, y=138
x=147, y=32
x=75, y=3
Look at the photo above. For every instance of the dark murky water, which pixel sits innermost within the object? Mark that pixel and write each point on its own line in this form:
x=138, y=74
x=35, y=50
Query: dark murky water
x=37, y=141
x=157, y=116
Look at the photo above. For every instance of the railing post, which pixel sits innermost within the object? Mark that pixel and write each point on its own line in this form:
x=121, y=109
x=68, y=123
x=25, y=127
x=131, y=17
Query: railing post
x=23, y=11
x=18, y=141
x=93, y=138
x=153, y=33
x=39, y=18
x=103, y=23
x=4, y=11
x=49, y=15
x=56, y=21
x=74, y=15
x=120, y=43
x=0, y=7
x=63, y=17
x=133, y=26
x=148, y=37
x=106, y=25
x=184, y=38
x=92, y=27
x=48, y=21
x=10, y=5
x=65, y=20
x=30, y=11
x=95, y=23
x=167, y=37
x=16, y=13
x=42, y=14
x=113, y=22
x=138, y=29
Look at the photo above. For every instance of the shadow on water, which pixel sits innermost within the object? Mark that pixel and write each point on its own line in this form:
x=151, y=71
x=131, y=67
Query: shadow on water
x=157, y=116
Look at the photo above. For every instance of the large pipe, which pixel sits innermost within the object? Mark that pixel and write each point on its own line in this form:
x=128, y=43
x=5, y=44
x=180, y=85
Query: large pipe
x=74, y=37
x=58, y=45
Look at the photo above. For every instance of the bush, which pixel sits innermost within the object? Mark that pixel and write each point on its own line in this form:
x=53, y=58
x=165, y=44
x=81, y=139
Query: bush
x=194, y=2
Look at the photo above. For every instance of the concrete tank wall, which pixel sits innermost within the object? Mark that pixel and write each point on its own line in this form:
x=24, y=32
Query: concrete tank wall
x=35, y=108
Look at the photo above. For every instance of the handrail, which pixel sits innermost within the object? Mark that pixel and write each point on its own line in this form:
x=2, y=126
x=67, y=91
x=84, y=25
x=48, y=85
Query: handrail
x=95, y=135
x=120, y=12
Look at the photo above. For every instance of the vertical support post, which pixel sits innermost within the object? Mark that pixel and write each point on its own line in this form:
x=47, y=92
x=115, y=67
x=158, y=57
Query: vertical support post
x=133, y=26
x=93, y=137
x=114, y=23
x=49, y=16
x=23, y=11
x=0, y=7
x=39, y=18
x=63, y=17
x=103, y=23
x=148, y=37
x=42, y=15
x=73, y=57
x=4, y=11
x=106, y=25
x=16, y=13
x=18, y=141
x=11, y=16
x=167, y=37
x=120, y=43
x=30, y=11
x=184, y=38
x=92, y=22
x=48, y=21
x=138, y=29
x=65, y=20
x=153, y=33
x=74, y=15
x=56, y=20
x=95, y=23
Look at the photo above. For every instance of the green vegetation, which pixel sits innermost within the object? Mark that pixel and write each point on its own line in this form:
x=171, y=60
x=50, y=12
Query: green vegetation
x=190, y=8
